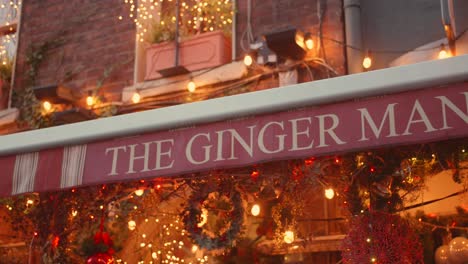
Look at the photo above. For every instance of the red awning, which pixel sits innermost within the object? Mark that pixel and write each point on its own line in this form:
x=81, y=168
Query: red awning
x=416, y=116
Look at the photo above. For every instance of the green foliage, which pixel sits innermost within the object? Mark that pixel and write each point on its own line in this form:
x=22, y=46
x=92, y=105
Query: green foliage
x=89, y=248
x=162, y=31
x=36, y=55
x=217, y=15
x=30, y=109
x=24, y=99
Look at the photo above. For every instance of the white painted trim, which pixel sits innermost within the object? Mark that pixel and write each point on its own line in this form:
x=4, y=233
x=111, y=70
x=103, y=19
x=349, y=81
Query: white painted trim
x=8, y=116
x=391, y=80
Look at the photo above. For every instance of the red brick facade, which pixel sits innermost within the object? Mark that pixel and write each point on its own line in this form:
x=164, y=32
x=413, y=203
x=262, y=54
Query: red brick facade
x=88, y=40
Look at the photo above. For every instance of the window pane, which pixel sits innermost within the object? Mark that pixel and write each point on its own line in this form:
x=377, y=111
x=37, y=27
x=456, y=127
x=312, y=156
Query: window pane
x=8, y=23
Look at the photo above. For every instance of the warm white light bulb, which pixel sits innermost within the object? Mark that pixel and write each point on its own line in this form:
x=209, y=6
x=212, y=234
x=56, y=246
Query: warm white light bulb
x=329, y=193
x=367, y=62
x=443, y=54
x=191, y=86
x=136, y=98
x=194, y=248
x=47, y=106
x=248, y=60
x=255, y=210
x=309, y=43
x=288, y=237
x=90, y=100
x=139, y=192
x=131, y=225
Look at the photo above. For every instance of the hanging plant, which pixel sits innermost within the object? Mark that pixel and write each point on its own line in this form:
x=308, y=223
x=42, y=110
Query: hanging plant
x=24, y=99
x=214, y=218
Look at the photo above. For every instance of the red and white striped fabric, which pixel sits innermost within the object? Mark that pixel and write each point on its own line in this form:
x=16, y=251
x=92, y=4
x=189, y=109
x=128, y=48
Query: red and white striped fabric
x=53, y=169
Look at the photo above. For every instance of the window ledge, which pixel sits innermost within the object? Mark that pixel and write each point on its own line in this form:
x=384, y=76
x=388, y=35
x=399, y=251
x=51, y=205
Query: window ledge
x=9, y=28
x=8, y=116
x=228, y=72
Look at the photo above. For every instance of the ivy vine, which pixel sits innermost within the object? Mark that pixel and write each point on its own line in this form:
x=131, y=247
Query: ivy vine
x=24, y=99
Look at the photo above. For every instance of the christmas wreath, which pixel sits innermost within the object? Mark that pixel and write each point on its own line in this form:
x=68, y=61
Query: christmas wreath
x=226, y=207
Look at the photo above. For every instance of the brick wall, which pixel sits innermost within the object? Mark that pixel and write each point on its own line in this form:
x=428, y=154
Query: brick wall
x=87, y=40
x=96, y=41
x=272, y=15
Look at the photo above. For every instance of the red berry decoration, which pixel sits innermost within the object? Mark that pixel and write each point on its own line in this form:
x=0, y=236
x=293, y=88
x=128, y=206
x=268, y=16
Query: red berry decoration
x=381, y=238
x=100, y=258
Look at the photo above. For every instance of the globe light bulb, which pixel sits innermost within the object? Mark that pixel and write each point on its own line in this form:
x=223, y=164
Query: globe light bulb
x=288, y=237
x=131, y=225
x=443, y=53
x=248, y=60
x=367, y=62
x=139, y=192
x=136, y=98
x=47, y=106
x=329, y=193
x=255, y=210
x=90, y=100
x=194, y=248
x=191, y=86
x=309, y=43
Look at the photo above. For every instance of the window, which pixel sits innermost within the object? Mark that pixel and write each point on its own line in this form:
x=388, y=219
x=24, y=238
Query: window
x=155, y=21
x=9, y=17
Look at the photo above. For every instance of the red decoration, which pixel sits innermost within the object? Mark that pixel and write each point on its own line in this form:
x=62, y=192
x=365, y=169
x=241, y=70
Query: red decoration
x=254, y=174
x=103, y=237
x=55, y=242
x=297, y=173
x=100, y=258
x=310, y=161
x=381, y=238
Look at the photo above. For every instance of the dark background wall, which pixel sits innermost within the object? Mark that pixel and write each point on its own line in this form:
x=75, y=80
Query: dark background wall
x=390, y=28
x=272, y=15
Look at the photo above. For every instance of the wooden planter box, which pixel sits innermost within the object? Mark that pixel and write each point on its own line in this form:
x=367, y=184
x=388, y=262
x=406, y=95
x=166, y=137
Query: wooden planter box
x=202, y=51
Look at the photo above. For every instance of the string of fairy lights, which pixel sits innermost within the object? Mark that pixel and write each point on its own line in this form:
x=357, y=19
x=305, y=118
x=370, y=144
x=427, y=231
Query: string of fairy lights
x=160, y=236
x=165, y=242
x=195, y=16
x=198, y=16
x=9, y=10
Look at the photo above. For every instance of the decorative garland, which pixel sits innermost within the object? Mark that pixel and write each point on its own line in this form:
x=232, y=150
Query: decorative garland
x=381, y=238
x=290, y=207
x=193, y=217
